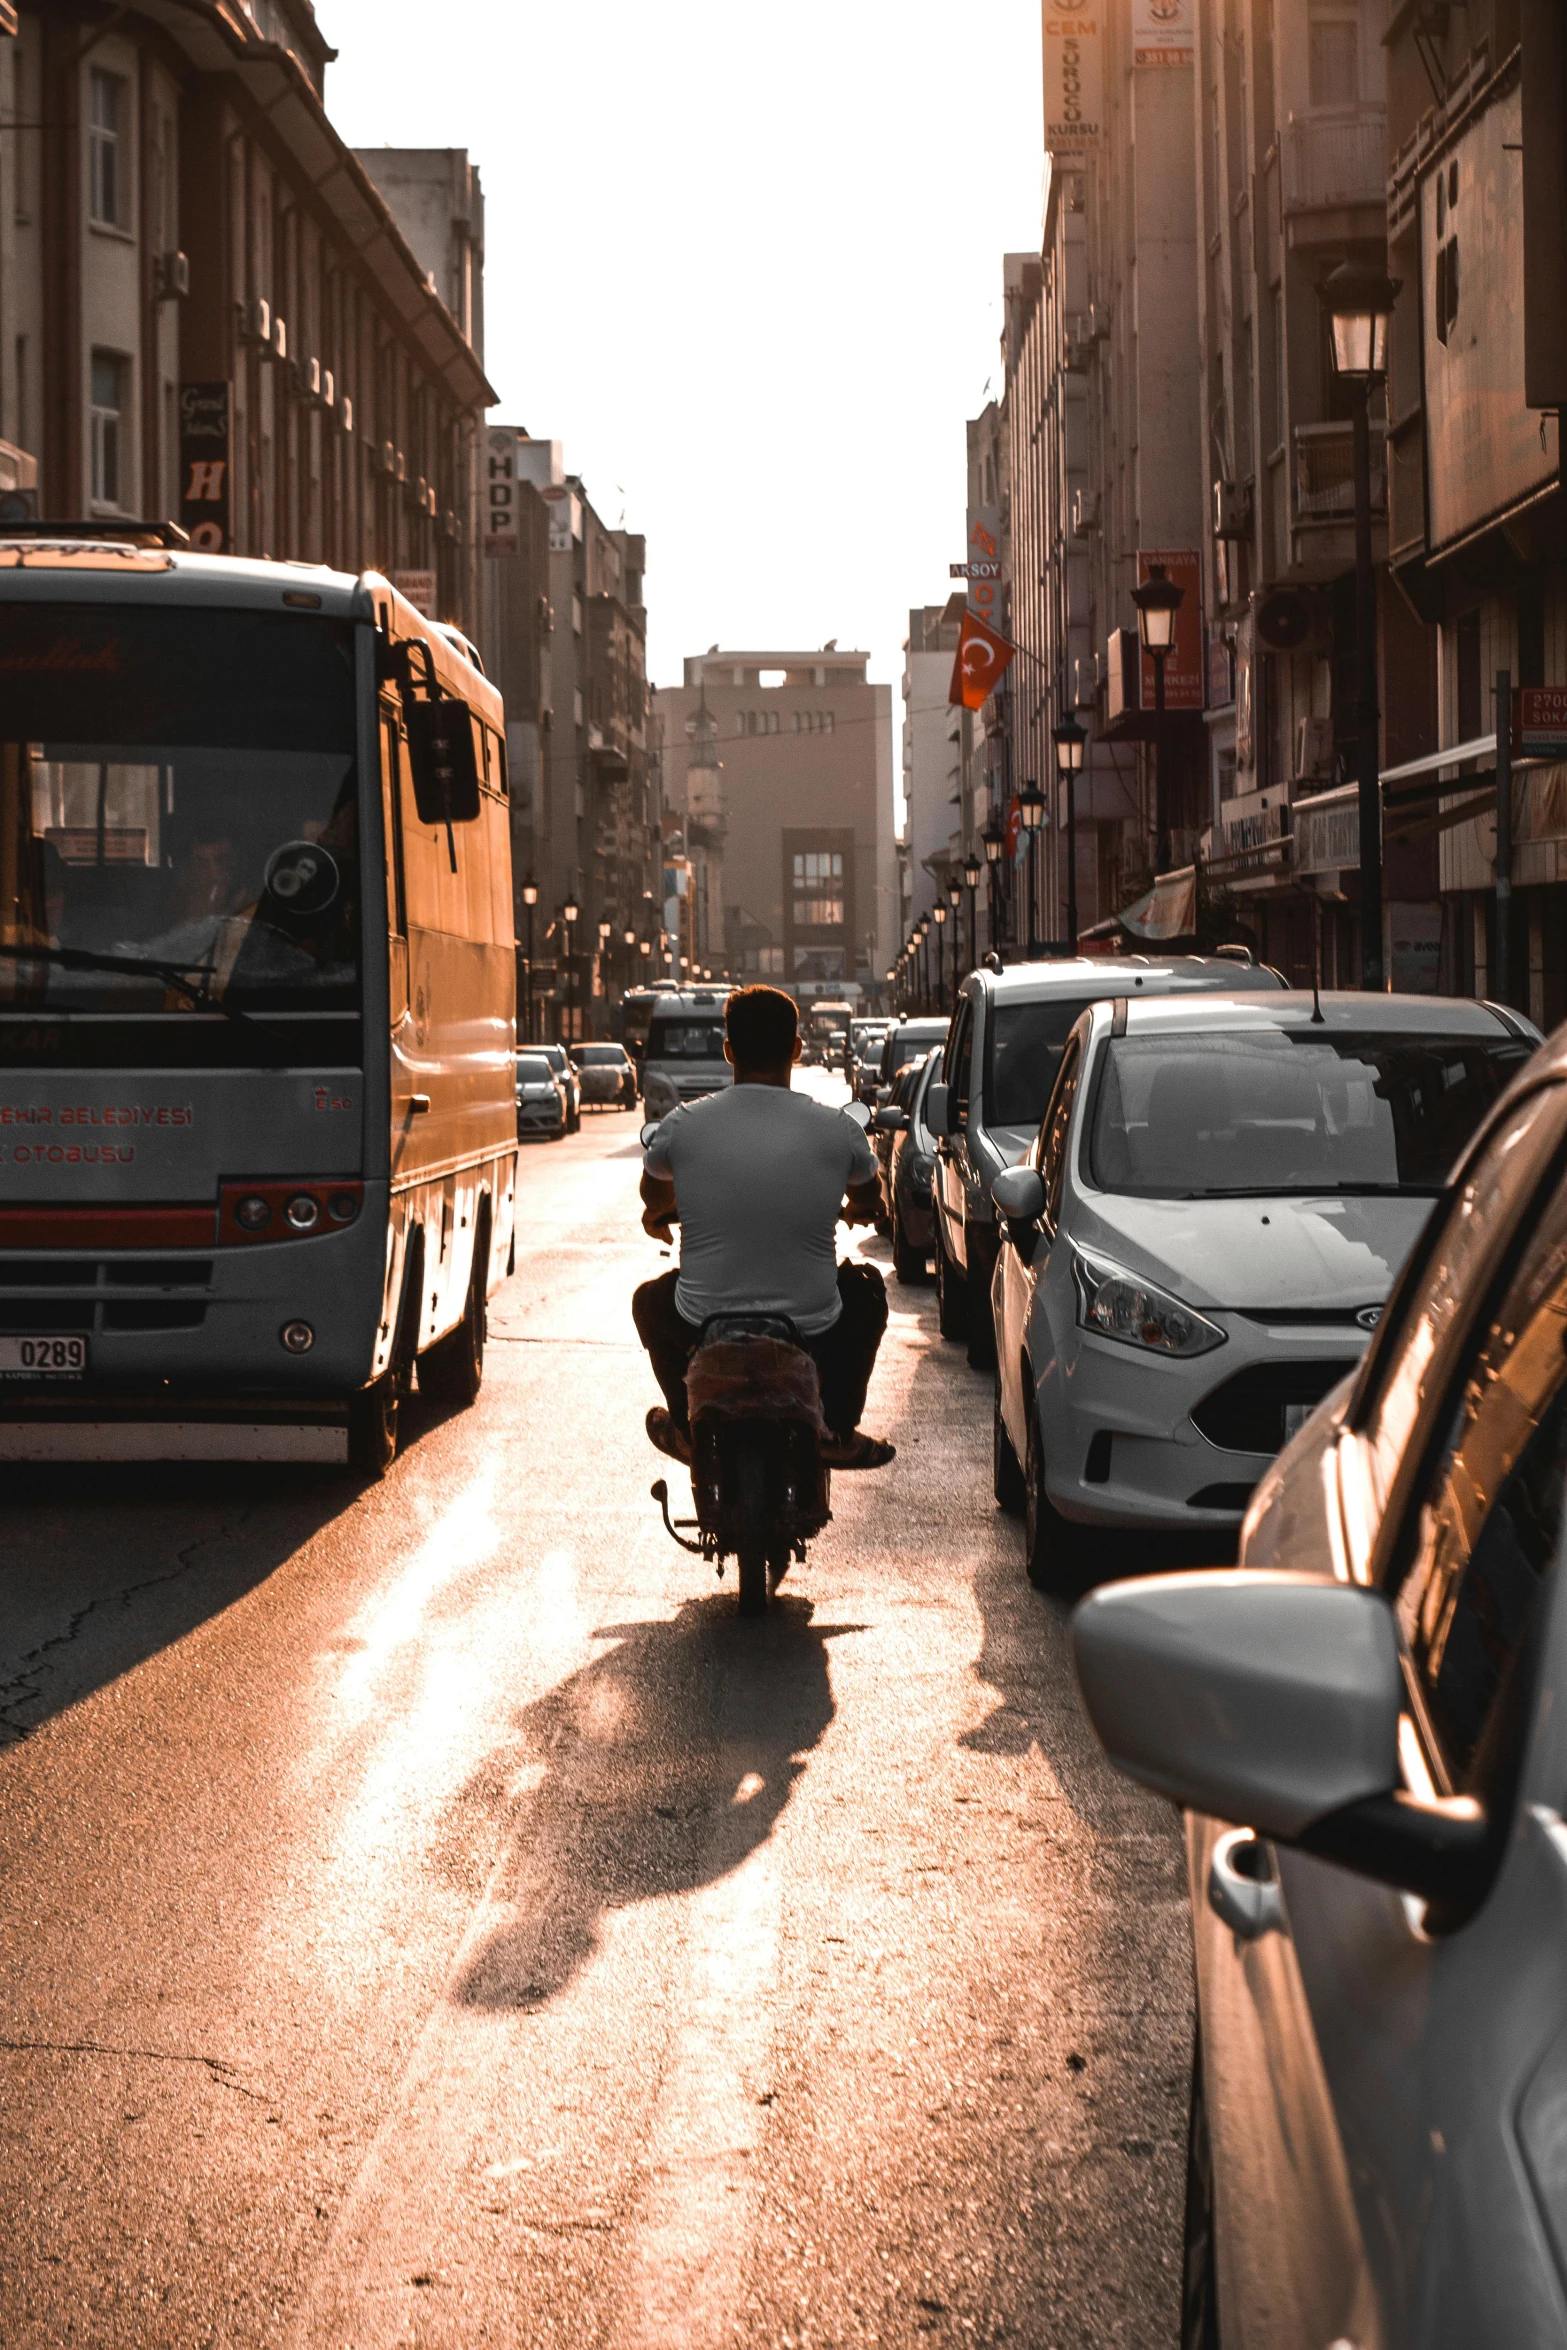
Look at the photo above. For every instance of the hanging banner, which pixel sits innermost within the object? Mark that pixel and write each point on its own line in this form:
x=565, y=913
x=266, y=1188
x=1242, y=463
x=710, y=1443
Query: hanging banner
x=983, y=568
x=1162, y=32
x=982, y=657
x=1074, y=80
x=499, y=517
x=206, y=465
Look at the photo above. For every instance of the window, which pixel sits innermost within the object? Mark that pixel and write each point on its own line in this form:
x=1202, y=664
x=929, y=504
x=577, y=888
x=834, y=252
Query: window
x=1335, y=59
x=963, y=1054
x=1053, y=1133
x=1489, y=1527
x=106, y=160
x=818, y=889
x=108, y=427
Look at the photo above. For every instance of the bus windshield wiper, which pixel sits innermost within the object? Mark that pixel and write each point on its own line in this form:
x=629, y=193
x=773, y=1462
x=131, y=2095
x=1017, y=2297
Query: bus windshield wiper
x=146, y=967
x=1304, y=1190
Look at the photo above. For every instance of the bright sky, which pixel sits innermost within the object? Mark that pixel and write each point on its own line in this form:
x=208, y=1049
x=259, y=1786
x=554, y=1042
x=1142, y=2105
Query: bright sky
x=745, y=264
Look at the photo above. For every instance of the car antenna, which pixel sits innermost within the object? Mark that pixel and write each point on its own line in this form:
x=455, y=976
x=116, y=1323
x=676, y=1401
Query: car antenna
x=1317, y=1020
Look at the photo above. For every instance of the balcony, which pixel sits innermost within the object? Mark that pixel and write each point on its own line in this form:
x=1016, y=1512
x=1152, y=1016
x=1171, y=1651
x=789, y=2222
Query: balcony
x=1334, y=160
x=1325, y=472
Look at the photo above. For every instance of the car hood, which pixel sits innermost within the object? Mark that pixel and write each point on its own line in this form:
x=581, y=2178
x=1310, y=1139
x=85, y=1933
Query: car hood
x=1319, y=1250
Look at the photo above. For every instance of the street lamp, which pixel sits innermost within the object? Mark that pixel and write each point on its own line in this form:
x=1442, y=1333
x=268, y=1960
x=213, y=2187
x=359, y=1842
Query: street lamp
x=955, y=901
x=939, y=917
x=530, y=898
x=1158, y=600
x=1031, y=808
x=1359, y=304
x=973, y=867
x=922, y=933
x=1071, y=739
x=569, y=912
x=995, y=839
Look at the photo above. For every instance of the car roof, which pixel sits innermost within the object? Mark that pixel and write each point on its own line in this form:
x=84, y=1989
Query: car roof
x=922, y=1027
x=1340, y=1011
x=1112, y=975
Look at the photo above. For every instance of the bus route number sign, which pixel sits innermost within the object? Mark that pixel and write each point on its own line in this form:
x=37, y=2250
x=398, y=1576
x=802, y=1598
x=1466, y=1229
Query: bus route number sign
x=42, y=1358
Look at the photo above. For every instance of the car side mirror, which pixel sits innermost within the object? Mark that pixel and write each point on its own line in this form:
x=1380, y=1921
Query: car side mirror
x=858, y=1113
x=938, y=1109
x=1273, y=1700
x=647, y=1133
x=891, y=1120
x=1019, y=1194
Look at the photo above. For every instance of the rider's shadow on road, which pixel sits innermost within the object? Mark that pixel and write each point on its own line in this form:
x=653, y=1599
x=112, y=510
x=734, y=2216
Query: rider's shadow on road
x=660, y=1766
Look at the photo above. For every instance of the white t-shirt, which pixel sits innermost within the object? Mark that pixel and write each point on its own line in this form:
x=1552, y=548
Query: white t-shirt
x=759, y=1174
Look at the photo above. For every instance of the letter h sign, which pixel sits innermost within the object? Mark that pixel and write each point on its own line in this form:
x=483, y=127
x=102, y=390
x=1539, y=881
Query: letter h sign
x=206, y=464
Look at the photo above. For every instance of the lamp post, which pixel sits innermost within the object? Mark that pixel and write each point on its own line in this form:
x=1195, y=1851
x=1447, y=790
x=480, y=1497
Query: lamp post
x=923, y=935
x=973, y=867
x=569, y=912
x=1031, y=807
x=995, y=839
x=954, y=903
x=1157, y=601
x=939, y=917
x=1359, y=303
x=530, y=898
x=1070, y=738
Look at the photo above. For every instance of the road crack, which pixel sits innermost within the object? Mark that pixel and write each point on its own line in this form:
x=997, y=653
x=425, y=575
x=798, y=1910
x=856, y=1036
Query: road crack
x=26, y=1685
x=218, y=2068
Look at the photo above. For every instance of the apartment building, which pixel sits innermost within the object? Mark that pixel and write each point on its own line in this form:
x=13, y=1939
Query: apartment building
x=208, y=311
x=778, y=767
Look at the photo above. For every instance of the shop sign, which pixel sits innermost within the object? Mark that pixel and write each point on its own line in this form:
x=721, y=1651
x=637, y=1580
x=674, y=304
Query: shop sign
x=418, y=587
x=207, y=465
x=1251, y=824
x=1074, y=80
x=1186, y=663
x=1540, y=722
x=983, y=568
x=1327, y=832
x=1162, y=32
x=1414, y=947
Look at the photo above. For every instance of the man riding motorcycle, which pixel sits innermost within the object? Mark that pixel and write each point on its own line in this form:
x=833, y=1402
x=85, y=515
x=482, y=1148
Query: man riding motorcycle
x=759, y=1177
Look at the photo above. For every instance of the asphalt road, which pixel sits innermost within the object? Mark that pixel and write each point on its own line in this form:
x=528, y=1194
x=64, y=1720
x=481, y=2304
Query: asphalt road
x=428, y=1916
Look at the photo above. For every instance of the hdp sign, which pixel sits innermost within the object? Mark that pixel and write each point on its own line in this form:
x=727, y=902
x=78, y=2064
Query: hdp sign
x=207, y=465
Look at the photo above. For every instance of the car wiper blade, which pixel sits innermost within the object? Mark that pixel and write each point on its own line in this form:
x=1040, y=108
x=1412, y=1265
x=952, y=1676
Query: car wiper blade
x=1318, y=1190
x=146, y=967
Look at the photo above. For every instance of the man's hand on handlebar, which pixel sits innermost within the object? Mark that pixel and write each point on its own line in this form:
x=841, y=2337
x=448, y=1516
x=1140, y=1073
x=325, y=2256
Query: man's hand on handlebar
x=658, y=1207
x=862, y=1204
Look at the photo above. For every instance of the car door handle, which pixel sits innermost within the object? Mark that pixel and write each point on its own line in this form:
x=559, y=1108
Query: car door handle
x=418, y=1105
x=1250, y=1903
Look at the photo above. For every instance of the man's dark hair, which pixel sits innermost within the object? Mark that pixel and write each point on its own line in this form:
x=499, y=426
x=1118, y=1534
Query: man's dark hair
x=761, y=1024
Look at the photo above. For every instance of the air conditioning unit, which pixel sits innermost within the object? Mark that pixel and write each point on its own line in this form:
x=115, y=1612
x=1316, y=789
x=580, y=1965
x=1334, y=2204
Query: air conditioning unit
x=1230, y=510
x=345, y=413
x=279, y=339
x=1085, y=682
x=388, y=457
x=255, y=321
x=328, y=388
x=171, y=276
x=1314, y=747
x=1085, y=513
x=1286, y=620
x=307, y=378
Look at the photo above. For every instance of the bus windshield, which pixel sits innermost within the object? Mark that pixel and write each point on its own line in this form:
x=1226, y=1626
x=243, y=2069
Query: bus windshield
x=688, y=1039
x=177, y=786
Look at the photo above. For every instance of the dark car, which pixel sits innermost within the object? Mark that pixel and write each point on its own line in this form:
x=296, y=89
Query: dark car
x=906, y=1041
x=606, y=1076
x=560, y=1061
x=907, y=1149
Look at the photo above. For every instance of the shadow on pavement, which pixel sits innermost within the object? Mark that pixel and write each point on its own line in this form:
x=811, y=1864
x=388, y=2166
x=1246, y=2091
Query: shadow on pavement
x=104, y=1566
x=666, y=1761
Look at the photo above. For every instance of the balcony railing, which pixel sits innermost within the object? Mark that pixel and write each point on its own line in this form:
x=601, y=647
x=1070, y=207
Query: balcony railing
x=1334, y=159
x=1325, y=472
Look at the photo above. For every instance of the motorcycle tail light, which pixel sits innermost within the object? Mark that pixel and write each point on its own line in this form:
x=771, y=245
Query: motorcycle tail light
x=249, y=1213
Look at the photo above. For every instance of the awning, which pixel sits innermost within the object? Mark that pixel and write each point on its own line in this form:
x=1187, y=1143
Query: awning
x=1162, y=914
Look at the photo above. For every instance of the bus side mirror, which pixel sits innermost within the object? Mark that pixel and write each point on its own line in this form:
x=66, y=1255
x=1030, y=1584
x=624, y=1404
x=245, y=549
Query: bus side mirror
x=445, y=766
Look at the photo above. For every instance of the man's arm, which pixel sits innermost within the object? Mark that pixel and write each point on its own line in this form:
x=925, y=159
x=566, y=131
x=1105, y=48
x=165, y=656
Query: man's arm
x=658, y=1204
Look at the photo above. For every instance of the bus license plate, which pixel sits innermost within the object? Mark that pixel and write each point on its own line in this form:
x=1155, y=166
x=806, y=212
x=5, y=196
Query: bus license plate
x=43, y=1358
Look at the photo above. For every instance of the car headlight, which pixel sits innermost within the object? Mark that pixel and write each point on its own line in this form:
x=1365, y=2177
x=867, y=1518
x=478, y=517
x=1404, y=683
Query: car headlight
x=1116, y=1304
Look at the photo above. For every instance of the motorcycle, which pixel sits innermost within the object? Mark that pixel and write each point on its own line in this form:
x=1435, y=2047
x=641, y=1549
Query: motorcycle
x=760, y=1486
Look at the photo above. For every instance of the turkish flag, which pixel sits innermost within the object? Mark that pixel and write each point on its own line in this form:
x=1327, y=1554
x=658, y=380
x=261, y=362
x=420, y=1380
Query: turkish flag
x=1014, y=828
x=982, y=656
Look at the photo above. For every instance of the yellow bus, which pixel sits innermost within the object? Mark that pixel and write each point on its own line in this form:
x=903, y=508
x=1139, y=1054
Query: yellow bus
x=257, y=1005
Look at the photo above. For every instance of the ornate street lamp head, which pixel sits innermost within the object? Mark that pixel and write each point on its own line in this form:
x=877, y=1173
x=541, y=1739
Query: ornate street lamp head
x=972, y=869
x=530, y=892
x=994, y=837
x=1031, y=807
x=1359, y=302
x=1071, y=740
x=1157, y=600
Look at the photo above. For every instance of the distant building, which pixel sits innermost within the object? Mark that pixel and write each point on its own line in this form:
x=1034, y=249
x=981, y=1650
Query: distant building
x=797, y=816
x=211, y=315
x=932, y=749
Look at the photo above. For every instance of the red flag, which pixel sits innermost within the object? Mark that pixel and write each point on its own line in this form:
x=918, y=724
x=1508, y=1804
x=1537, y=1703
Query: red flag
x=982, y=656
x=1014, y=828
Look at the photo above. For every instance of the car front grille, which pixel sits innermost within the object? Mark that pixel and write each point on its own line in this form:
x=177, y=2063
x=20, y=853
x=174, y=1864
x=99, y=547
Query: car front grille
x=1247, y=1413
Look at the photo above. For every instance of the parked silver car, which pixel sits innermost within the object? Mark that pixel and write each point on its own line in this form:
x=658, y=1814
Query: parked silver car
x=1202, y=1236
x=1008, y=1034
x=541, y=1098
x=1368, y=1728
x=606, y=1076
x=560, y=1061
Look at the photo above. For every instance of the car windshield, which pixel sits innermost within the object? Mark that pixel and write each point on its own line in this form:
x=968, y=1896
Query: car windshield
x=601, y=1056
x=533, y=1069
x=1214, y=1117
x=686, y=1040
x=1024, y=1053
x=910, y=1043
x=177, y=787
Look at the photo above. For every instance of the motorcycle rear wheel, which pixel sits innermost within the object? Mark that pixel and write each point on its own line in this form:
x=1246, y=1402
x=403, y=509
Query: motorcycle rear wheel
x=752, y=1530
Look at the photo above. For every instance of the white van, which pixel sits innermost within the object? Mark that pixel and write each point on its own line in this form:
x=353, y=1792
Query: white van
x=685, y=1049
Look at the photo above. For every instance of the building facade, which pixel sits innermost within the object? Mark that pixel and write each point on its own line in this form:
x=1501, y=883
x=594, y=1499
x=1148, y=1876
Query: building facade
x=778, y=770
x=932, y=750
x=210, y=314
